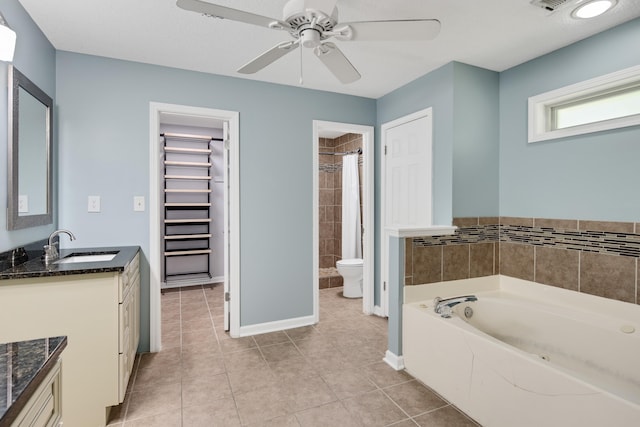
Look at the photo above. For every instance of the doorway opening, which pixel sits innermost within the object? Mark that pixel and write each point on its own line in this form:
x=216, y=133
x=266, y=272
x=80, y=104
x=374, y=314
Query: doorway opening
x=324, y=211
x=223, y=180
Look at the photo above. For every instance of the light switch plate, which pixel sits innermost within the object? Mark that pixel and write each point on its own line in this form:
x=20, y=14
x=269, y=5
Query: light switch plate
x=94, y=204
x=23, y=203
x=138, y=203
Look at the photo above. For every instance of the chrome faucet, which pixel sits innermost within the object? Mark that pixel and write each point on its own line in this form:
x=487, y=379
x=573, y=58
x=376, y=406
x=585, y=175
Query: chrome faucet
x=50, y=250
x=443, y=306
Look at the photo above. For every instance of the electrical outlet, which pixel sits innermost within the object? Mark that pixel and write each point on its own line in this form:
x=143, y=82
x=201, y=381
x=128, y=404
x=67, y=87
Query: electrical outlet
x=138, y=203
x=94, y=204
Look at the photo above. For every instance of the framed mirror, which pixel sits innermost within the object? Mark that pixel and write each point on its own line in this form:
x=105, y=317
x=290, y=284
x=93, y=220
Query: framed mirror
x=30, y=164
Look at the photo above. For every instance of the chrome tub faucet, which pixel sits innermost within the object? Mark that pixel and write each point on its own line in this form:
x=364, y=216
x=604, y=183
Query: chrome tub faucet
x=443, y=306
x=50, y=250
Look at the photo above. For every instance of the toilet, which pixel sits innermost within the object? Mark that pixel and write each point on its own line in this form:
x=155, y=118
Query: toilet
x=351, y=272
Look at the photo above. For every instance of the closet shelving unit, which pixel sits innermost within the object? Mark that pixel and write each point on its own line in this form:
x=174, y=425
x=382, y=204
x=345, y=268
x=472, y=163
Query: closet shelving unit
x=187, y=209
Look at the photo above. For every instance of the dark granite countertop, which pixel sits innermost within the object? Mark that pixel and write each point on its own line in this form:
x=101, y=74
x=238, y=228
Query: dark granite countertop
x=36, y=267
x=23, y=366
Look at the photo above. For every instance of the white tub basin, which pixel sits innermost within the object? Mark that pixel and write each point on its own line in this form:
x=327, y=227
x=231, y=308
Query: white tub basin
x=73, y=258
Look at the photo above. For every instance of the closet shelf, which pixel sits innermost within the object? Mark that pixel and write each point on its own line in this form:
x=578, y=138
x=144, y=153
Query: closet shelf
x=186, y=177
x=187, y=252
x=187, y=150
x=186, y=205
x=187, y=236
x=184, y=190
x=187, y=164
x=203, y=138
x=186, y=221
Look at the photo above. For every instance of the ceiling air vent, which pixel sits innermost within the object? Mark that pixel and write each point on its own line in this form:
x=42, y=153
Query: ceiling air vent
x=549, y=5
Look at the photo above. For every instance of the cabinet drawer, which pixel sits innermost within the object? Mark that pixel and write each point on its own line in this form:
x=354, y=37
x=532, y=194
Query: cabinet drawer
x=128, y=276
x=44, y=408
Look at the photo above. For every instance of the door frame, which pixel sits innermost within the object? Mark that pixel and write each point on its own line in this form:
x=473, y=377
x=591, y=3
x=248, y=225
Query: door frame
x=383, y=308
x=232, y=211
x=368, y=211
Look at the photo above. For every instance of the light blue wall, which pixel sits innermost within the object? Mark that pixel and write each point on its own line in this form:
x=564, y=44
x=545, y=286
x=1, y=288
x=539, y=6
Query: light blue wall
x=35, y=58
x=104, y=126
x=476, y=142
x=591, y=176
x=465, y=139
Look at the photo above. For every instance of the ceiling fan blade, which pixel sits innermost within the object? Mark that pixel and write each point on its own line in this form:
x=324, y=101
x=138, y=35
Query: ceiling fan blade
x=268, y=57
x=325, y=6
x=410, y=29
x=229, y=13
x=336, y=62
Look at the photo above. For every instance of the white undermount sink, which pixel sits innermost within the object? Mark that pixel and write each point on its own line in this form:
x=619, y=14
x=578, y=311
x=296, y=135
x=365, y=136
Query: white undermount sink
x=73, y=258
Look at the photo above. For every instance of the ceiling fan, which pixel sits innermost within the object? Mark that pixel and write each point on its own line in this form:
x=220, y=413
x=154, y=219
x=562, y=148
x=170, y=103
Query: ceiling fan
x=312, y=23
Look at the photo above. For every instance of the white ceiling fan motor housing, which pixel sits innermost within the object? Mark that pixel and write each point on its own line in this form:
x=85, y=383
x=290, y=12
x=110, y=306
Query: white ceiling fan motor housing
x=301, y=20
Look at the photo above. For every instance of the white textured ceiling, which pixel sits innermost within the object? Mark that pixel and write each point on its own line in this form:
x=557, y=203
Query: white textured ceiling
x=493, y=34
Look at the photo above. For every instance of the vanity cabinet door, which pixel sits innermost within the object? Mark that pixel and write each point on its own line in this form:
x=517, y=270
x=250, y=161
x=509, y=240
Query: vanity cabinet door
x=129, y=320
x=44, y=409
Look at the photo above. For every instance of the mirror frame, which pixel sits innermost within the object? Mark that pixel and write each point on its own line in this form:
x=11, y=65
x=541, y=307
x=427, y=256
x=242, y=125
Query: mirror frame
x=18, y=80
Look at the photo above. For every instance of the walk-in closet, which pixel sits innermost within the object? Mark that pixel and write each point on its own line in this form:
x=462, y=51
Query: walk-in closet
x=192, y=205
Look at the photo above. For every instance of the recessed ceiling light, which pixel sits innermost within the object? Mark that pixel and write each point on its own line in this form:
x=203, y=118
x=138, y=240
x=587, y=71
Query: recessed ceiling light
x=593, y=8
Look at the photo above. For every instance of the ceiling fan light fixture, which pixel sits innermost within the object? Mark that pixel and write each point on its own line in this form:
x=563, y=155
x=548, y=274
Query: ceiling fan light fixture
x=310, y=37
x=591, y=9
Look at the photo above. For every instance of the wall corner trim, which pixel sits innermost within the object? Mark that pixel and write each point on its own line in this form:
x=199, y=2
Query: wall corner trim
x=393, y=360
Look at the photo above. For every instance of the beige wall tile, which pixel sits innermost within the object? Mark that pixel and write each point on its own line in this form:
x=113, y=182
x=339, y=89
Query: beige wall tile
x=516, y=260
x=427, y=264
x=563, y=224
x=557, y=267
x=481, y=259
x=465, y=221
x=516, y=221
x=619, y=227
x=488, y=220
x=455, y=262
x=608, y=276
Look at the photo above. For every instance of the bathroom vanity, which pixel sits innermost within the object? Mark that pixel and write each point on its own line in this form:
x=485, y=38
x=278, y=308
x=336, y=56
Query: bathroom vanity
x=30, y=381
x=92, y=296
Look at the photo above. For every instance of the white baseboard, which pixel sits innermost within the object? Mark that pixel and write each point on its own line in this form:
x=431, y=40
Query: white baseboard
x=279, y=325
x=377, y=310
x=396, y=362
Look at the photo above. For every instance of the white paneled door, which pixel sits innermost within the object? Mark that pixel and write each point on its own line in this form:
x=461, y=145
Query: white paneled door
x=407, y=173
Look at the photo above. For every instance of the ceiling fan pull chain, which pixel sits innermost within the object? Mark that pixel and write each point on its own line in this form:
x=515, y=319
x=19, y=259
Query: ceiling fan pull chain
x=301, y=79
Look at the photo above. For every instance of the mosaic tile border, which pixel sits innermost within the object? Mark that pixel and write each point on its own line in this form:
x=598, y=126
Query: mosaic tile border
x=603, y=242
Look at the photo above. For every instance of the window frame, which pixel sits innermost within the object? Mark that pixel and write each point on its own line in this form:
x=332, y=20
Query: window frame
x=541, y=117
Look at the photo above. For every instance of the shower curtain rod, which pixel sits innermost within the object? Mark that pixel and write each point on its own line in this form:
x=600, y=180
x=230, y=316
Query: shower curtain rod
x=358, y=151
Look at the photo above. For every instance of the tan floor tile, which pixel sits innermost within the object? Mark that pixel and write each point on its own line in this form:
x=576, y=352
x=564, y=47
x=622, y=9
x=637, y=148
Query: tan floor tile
x=219, y=413
x=384, y=375
x=329, y=415
x=348, y=383
x=245, y=380
x=374, y=409
x=302, y=333
x=279, y=352
x=261, y=405
x=304, y=393
x=152, y=401
x=284, y=421
x=271, y=338
x=152, y=377
x=237, y=344
x=169, y=419
x=297, y=367
x=246, y=359
x=197, y=391
x=445, y=417
x=414, y=398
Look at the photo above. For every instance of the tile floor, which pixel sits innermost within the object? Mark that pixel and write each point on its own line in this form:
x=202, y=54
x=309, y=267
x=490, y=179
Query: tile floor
x=329, y=374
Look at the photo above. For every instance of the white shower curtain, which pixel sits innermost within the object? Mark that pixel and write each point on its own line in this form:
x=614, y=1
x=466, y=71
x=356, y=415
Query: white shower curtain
x=351, y=225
